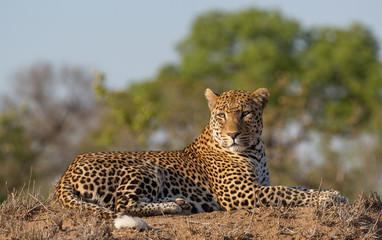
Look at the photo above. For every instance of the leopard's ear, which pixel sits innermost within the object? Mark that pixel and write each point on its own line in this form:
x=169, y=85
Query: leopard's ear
x=211, y=98
x=261, y=97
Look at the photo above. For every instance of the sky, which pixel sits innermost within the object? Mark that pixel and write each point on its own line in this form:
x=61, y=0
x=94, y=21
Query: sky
x=130, y=40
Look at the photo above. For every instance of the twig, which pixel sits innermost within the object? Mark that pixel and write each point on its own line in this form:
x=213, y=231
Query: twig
x=318, y=195
x=374, y=225
x=251, y=220
x=170, y=225
x=202, y=223
x=40, y=203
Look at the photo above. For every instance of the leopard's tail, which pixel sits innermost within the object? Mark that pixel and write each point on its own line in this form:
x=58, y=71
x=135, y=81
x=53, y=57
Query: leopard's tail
x=130, y=222
x=68, y=198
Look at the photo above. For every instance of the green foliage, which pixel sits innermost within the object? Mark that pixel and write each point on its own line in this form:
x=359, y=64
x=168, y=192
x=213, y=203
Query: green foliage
x=149, y=107
x=239, y=50
x=325, y=80
x=122, y=104
x=342, y=75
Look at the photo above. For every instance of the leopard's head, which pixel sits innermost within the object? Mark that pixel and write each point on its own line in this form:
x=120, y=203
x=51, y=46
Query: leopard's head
x=236, y=117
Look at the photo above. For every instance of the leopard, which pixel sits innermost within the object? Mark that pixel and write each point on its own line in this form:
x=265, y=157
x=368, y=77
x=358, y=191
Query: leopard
x=223, y=169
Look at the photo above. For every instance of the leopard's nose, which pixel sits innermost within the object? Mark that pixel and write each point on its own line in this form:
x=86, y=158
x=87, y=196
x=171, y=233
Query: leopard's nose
x=233, y=135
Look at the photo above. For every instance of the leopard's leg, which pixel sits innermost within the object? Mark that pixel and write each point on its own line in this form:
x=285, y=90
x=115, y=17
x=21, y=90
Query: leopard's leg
x=69, y=198
x=128, y=202
x=132, y=205
x=137, y=200
x=293, y=196
x=325, y=195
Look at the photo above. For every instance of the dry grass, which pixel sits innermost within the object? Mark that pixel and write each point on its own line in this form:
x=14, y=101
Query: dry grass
x=27, y=215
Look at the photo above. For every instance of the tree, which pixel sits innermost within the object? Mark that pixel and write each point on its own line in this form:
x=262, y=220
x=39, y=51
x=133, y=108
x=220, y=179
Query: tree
x=52, y=110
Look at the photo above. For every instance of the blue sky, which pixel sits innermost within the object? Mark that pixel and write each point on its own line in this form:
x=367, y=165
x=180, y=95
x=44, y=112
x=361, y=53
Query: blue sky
x=131, y=40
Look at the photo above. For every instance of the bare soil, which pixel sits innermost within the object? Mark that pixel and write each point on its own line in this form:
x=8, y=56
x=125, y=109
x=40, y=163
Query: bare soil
x=26, y=216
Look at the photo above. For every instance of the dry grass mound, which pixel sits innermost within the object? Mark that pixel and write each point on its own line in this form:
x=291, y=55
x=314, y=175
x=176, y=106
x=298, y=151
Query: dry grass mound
x=28, y=216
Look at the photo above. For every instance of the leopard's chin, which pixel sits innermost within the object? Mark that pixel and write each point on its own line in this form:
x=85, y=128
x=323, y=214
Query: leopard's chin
x=236, y=148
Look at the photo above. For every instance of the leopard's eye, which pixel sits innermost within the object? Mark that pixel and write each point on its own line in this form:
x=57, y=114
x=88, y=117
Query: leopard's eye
x=244, y=114
x=221, y=115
